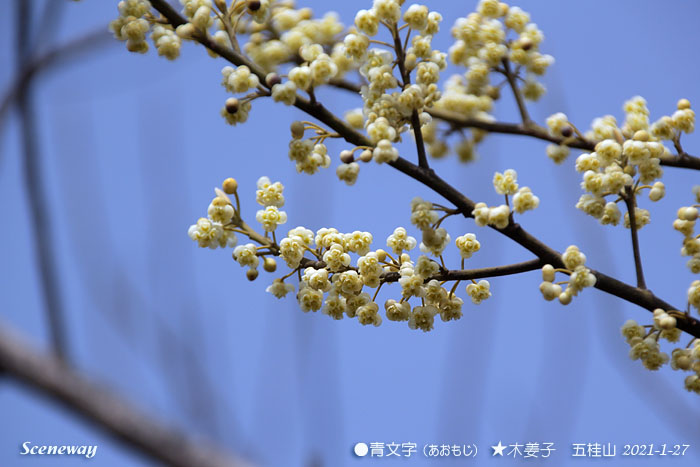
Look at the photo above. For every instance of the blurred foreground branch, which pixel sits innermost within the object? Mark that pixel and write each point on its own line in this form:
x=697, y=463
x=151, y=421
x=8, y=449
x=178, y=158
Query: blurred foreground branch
x=44, y=62
x=61, y=383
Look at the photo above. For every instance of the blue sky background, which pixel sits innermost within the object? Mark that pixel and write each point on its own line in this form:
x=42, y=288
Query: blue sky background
x=131, y=147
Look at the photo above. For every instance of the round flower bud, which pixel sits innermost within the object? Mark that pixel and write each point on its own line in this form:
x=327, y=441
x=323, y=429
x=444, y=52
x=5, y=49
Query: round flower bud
x=297, y=129
x=232, y=105
x=381, y=255
x=346, y=157
x=271, y=79
x=548, y=273
x=185, y=31
x=683, y=104
x=254, y=5
x=230, y=186
x=688, y=214
x=525, y=43
x=270, y=265
x=366, y=155
x=410, y=61
x=251, y=274
x=641, y=135
x=565, y=298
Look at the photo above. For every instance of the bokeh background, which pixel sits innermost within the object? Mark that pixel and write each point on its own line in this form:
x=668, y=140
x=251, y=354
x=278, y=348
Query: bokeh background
x=130, y=148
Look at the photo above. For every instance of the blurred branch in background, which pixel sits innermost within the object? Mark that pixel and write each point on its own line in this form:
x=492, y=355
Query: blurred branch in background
x=36, y=189
x=38, y=65
x=50, y=374
x=55, y=379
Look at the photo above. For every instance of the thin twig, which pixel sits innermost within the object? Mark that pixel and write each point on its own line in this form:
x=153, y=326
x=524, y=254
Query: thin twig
x=516, y=93
x=630, y=202
x=415, y=119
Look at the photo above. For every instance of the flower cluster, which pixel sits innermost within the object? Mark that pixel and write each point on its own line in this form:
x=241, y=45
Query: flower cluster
x=214, y=231
x=626, y=159
x=644, y=346
x=688, y=359
x=505, y=183
x=334, y=286
x=280, y=37
x=308, y=154
x=284, y=53
x=580, y=277
x=317, y=68
x=131, y=26
x=685, y=224
x=269, y=195
x=330, y=280
x=488, y=41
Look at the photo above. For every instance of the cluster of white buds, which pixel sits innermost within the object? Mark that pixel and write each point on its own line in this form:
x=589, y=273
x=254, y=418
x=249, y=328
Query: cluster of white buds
x=344, y=283
x=496, y=32
x=665, y=324
x=308, y=154
x=238, y=80
x=199, y=13
x=279, y=37
x=235, y=111
x=435, y=238
x=348, y=172
x=166, y=41
x=685, y=224
x=644, y=346
x=383, y=152
x=423, y=215
x=269, y=195
x=318, y=68
x=506, y=184
x=330, y=280
x=498, y=216
x=214, y=231
x=390, y=101
x=491, y=40
x=688, y=359
x=670, y=127
x=580, y=277
x=694, y=295
x=131, y=26
x=626, y=159
x=479, y=291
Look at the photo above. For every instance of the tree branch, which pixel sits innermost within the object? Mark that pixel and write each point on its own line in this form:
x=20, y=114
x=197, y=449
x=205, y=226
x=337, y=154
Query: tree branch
x=522, y=108
x=631, y=204
x=35, y=188
x=458, y=121
x=54, y=379
x=406, y=80
x=681, y=159
x=468, y=274
x=643, y=298
x=44, y=62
